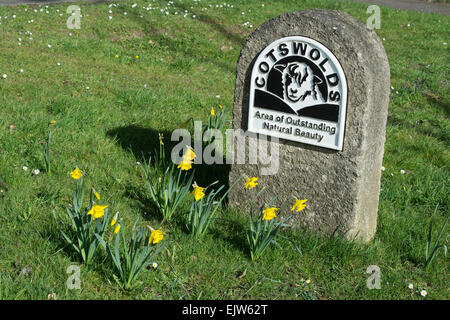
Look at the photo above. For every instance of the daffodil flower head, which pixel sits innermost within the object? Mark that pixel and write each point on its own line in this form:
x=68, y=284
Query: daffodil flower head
x=161, y=137
x=220, y=106
x=96, y=195
x=251, y=183
x=213, y=112
x=269, y=213
x=117, y=228
x=189, y=153
x=198, y=192
x=76, y=174
x=115, y=218
x=185, y=165
x=97, y=211
x=155, y=235
x=299, y=205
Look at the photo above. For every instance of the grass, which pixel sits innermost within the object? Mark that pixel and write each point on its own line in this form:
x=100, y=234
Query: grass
x=185, y=66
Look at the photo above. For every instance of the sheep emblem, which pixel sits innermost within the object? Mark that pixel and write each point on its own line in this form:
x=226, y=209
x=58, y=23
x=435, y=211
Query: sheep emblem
x=299, y=84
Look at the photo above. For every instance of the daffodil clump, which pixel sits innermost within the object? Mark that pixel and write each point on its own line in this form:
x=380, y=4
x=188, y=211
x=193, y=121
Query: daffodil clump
x=217, y=119
x=169, y=189
x=203, y=208
x=130, y=257
x=88, y=223
x=263, y=232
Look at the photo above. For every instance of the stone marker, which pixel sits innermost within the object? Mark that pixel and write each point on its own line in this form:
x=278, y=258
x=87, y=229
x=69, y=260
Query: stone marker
x=319, y=80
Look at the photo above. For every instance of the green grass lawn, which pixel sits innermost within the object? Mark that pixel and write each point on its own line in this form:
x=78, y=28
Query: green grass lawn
x=109, y=111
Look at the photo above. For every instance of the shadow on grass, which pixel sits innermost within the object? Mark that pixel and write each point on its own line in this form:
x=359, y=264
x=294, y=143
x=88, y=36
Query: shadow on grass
x=230, y=231
x=143, y=142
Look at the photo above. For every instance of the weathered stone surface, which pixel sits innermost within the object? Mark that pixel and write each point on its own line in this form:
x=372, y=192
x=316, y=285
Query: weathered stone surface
x=342, y=186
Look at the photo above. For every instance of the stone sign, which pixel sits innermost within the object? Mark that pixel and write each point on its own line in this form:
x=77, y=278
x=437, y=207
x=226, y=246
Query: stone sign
x=319, y=81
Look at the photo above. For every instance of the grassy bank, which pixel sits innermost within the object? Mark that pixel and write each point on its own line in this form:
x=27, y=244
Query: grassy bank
x=121, y=79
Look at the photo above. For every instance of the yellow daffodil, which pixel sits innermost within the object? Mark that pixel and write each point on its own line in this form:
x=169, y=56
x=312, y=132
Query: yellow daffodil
x=185, y=165
x=251, y=183
x=76, y=174
x=269, y=213
x=198, y=192
x=137, y=57
x=116, y=229
x=117, y=56
x=220, y=106
x=51, y=122
x=97, y=211
x=114, y=219
x=299, y=205
x=96, y=195
x=189, y=154
x=161, y=137
x=155, y=236
x=213, y=112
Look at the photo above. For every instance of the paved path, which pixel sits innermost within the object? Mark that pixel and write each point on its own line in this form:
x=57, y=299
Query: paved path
x=16, y=2
x=415, y=5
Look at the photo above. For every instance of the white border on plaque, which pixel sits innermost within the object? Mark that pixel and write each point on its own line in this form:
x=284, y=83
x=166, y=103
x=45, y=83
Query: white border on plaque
x=298, y=92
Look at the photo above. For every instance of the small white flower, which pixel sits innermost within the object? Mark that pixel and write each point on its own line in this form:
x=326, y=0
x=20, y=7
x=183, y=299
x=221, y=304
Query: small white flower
x=49, y=45
x=87, y=88
x=21, y=70
x=423, y=293
x=36, y=171
x=138, y=163
x=110, y=17
x=25, y=168
x=411, y=286
x=392, y=174
x=402, y=171
x=58, y=63
x=445, y=43
x=133, y=5
x=217, y=96
x=308, y=281
x=4, y=76
x=154, y=265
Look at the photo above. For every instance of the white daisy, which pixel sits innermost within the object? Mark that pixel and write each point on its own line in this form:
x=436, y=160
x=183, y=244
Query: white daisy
x=25, y=168
x=36, y=171
x=411, y=286
x=423, y=293
x=154, y=265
